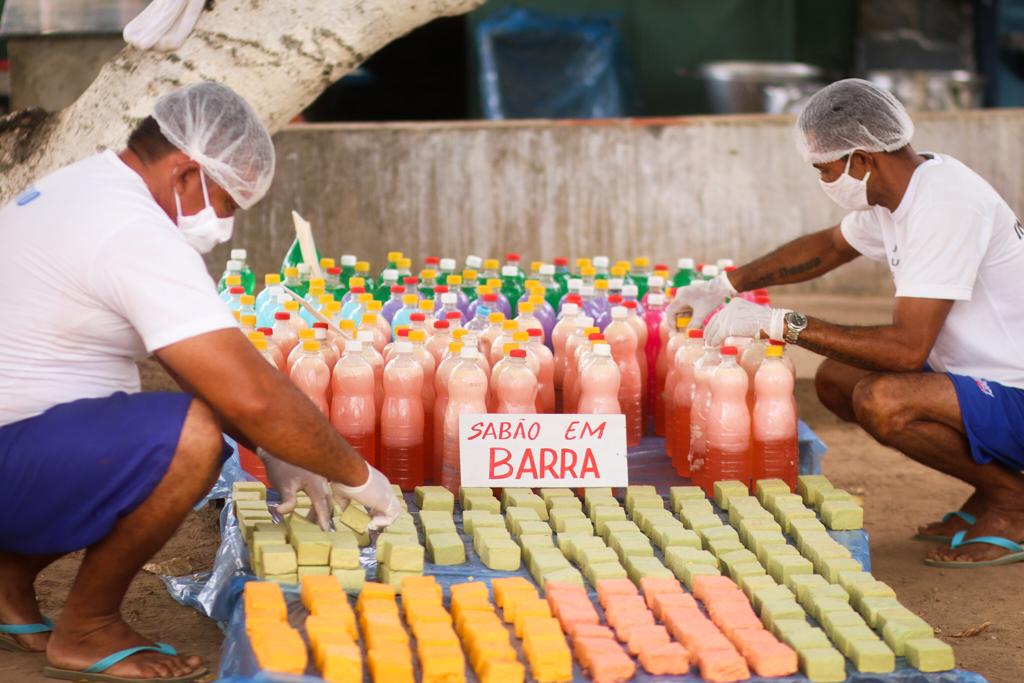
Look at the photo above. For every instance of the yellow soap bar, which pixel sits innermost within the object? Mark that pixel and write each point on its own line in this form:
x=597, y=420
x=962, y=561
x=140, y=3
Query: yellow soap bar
x=512, y=601
x=382, y=634
x=428, y=633
x=280, y=649
x=442, y=664
x=507, y=585
x=325, y=640
x=426, y=583
x=263, y=599
x=482, y=653
x=486, y=633
x=470, y=604
x=317, y=625
x=468, y=622
x=342, y=663
x=463, y=591
x=502, y=671
x=526, y=609
x=550, y=661
x=391, y=665
x=428, y=613
x=372, y=591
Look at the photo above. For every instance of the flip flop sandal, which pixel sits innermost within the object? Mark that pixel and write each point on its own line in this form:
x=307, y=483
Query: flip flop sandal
x=966, y=516
x=95, y=672
x=1016, y=553
x=12, y=645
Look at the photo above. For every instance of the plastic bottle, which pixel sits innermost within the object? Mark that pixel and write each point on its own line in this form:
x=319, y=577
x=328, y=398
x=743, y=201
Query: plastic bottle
x=775, y=450
x=426, y=361
x=304, y=275
x=702, y=371
x=543, y=311
x=363, y=271
x=427, y=283
x=248, y=277
x=333, y=284
x=666, y=359
x=467, y=391
x=728, y=425
x=495, y=326
x=447, y=303
x=392, y=305
x=527, y=320
x=411, y=284
x=353, y=402
x=292, y=308
x=546, y=375
x=247, y=305
x=469, y=287
x=402, y=420
x=496, y=300
x=350, y=302
x=291, y=279
x=601, y=306
x=514, y=260
x=750, y=361
x=447, y=269
x=402, y=317
x=678, y=430
x=265, y=349
x=654, y=311
x=640, y=273
x=599, y=384
x=266, y=300
x=404, y=268
x=234, y=299
x=655, y=287
x=492, y=269
x=232, y=270
x=574, y=285
x=371, y=323
x=481, y=321
x=376, y=361
x=496, y=370
x=640, y=327
x=511, y=286
x=630, y=295
x=684, y=273
x=570, y=381
x=516, y=390
x=565, y=326
x=497, y=344
x=311, y=375
x=461, y=300
x=440, y=340
x=295, y=258
x=327, y=349
x=392, y=261
x=667, y=394
x=280, y=360
x=552, y=289
x=441, y=376
x=388, y=279
x=587, y=272
x=623, y=340
x=348, y=269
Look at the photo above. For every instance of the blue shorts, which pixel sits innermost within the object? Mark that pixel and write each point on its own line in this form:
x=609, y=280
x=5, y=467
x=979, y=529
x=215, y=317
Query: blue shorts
x=993, y=416
x=68, y=475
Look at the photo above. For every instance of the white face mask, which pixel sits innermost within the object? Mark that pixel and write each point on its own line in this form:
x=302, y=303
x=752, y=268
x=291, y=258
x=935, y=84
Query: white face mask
x=204, y=230
x=846, y=191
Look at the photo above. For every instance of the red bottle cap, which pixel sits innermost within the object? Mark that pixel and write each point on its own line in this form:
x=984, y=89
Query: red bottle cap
x=397, y=289
x=512, y=256
x=320, y=326
x=236, y=290
x=574, y=299
x=411, y=280
x=597, y=336
x=629, y=304
x=700, y=267
x=282, y=315
x=615, y=299
x=760, y=292
x=454, y=315
x=776, y=342
x=695, y=334
x=441, y=289
x=561, y=261
x=535, y=332
x=517, y=353
x=660, y=266
x=728, y=350
x=402, y=332
x=441, y=325
x=358, y=290
x=432, y=260
x=417, y=317
x=334, y=271
x=267, y=332
x=490, y=297
x=729, y=269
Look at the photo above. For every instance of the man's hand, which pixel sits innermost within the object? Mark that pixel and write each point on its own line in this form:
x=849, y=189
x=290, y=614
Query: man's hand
x=376, y=495
x=700, y=299
x=288, y=480
x=743, y=319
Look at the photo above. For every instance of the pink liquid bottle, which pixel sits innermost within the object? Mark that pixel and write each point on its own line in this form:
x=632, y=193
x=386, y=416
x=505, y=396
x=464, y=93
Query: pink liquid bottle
x=671, y=379
x=678, y=423
x=666, y=361
x=327, y=348
x=508, y=330
x=516, y=390
x=570, y=390
x=775, y=448
x=467, y=391
x=441, y=377
x=654, y=313
x=310, y=374
x=527, y=320
x=640, y=326
x=264, y=347
x=373, y=322
x=273, y=349
x=494, y=329
x=304, y=336
x=496, y=371
x=563, y=328
x=285, y=336
x=623, y=340
x=376, y=361
x=440, y=340
x=728, y=425
x=402, y=420
x=426, y=360
x=546, y=376
x=699, y=409
x=599, y=383
x=292, y=307
x=353, y=402
x=750, y=361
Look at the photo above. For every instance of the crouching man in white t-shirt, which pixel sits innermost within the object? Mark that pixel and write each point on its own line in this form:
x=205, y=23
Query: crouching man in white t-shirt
x=944, y=382
x=100, y=265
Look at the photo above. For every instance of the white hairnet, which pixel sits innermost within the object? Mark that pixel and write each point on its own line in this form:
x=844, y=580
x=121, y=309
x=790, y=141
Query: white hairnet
x=851, y=114
x=218, y=129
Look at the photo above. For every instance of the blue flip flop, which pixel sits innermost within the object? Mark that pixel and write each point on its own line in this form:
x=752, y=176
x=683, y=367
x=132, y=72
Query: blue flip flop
x=966, y=516
x=12, y=645
x=96, y=671
x=1016, y=553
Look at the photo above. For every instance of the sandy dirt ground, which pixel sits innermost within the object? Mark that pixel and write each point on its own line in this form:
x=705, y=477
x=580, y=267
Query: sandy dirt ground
x=897, y=494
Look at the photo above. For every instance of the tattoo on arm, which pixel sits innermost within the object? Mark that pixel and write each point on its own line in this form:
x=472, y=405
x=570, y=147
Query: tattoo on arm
x=785, y=272
x=847, y=359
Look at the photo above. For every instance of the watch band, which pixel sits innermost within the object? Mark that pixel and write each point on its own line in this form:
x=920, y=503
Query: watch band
x=795, y=324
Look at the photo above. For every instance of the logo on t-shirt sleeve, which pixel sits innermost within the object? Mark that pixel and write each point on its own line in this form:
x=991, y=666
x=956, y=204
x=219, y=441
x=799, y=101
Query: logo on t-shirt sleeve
x=983, y=387
x=27, y=196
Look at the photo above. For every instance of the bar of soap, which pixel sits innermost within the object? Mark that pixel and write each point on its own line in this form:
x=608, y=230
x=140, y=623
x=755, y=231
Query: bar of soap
x=564, y=503
x=482, y=502
x=473, y=518
x=601, y=515
x=549, y=494
x=831, y=621
x=518, y=514
x=500, y=554
x=644, y=501
x=401, y=553
x=875, y=657
x=872, y=608
x=677, y=494
x=446, y=548
x=675, y=536
x=292, y=578
x=808, y=484
x=581, y=525
x=781, y=567
x=482, y=532
x=351, y=580
x=317, y=570
x=604, y=570
x=434, y=498
x=842, y=515
x=692, y=571
x=355, y=517
x=869, y=589
x=344, y=556
x=631, y=544
x=762, y=487
x=639, y=568
x=596, y=555
x=896, y=633
x=780, y=610
x=722, y=546
x=529, y=526
x=823, y=495
x=528, y=499
x=726, y=488
x=558, y=516
x=278, y=559
x=929, y=654
x=394, y=577
x=571, y=544
x=466, y=492
x=823, y=665
x=701, y=521
x=616, y=526
x=437, y=521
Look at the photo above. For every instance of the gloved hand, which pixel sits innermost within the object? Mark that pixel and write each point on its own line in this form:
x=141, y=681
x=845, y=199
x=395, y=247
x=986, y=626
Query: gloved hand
x=287, y=480
x=741, y=318
x=163, y=25
x=376, y=495
x=702, y=297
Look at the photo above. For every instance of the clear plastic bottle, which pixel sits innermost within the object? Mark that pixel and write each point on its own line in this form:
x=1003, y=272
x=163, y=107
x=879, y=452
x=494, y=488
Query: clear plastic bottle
x=305, y=335
x=427, y=309
x=447, y=269
x=461, y=300
x=552, y=290
x=234, y=299
x=410, y=305
x=292, y=307
x=728, y=425
x=630, y=294
x=393, y=304
x=266, y=300
x=496, y=370
x=599, y=383
x=265, y=349
x=311, y=375
x=640, y=273
x=776, y=452
x=492, y=269
x=327, y=350
x=702, y=371
x=546, y=377
x=402, y=420
x=374, y=322
x=350, y=308
x=285, y=336
x=467, y=391
x=353, y=401
x=280, y=361
x=481, y=321
x=682, y=403
x=469, y=287
x=516, y=390
x=601, y=306
x=622, y=338
x=232, y=270
x=441, y=376
x=527, y=320
x=427, y=284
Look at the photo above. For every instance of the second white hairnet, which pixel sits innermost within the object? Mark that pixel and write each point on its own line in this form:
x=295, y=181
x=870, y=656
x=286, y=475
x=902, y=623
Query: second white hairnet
x=851, y=114
x=218, y=129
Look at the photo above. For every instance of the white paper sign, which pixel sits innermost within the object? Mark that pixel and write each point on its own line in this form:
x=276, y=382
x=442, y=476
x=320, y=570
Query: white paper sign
x=543, y=450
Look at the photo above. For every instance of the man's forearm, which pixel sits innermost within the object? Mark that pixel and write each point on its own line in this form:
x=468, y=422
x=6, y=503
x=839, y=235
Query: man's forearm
x=805, y=258
x=879, y=348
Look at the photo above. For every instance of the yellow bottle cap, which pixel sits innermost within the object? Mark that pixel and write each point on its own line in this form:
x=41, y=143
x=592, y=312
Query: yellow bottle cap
x=588, y=271
x=369, y=319
x=530, y=284
x=623, y=264
x=599, y=342
x=583, y=263
x=427, y=305
x=535, y=300
x=395, y=255
x=374, y=306
x=494, y=284
x=520, y=337
x=601, y=284
x=291, y=272
x=496, y=317
x=362, y=266
x=535, y=266
x=483, y=289
x=456, y=346
x=661, y=273
x=470, y=274
x=592, y=330
x=428, y=274
x=366, y=297
x=259, y=342
x=641, y=262
x=410, y=299
x=254, y=335
x=417, y=336
x=291, y=306
x=773, y=352
x=682, y=323
x=356, y=282
x=248, y=320
x=492, y=264
x=526, y=307
x=347, y=324
x=326, y=263
x=509, y=325
x=454, y=280
x=459, y=333
x=238, y=315
x=509, y=348
x=247, y=300
x=233, y=280
x=332, y=306
x=618, y=271
x=325, y=299
x=404, y=264
x=311, y=345
x=317, y=282
x=308, y=333
x=272, y=279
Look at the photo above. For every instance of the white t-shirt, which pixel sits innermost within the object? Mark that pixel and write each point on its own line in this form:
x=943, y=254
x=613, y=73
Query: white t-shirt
x=93, y=276
x=953, y=237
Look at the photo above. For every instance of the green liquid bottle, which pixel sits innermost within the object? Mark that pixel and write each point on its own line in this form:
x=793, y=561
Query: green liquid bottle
x=562, y=274
x=685, y=273
x=640, y=273
x=232, y=270
x=294, y=257
x=511, y=286
x=248, y=277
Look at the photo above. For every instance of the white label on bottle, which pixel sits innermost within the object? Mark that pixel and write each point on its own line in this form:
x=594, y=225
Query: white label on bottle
x=543, y=450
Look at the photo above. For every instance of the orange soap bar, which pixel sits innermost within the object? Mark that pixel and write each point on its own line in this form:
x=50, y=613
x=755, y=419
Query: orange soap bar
x=280, y=649
x=442, y=664
x=733, y=625
x=470, y=621
x=550, y=661
x=722, y=666
x=502, y=671
x=342, y=664
x=332, y=622
x=703, y=584
x=428, y=633
x=470, y=589
x=325, y=640
x=625, y=622
x=584, y=614
x=730, y=610
x=665, y=659
x=383, y=634
x=609, y=587
x=418, y=583
x=312, y=585
x=612, y=667
x=564, y=587
x=642, y=635
x=391, y=665
x=586, y=648
x=772, y=659
x=655, y=585
x=374, y=591
x=528, y=609
x=711, y=641
x=471, y=604
x=264, y=600
x=744, y=639
x=510, y=584
x=591, y=631
x=662, y=602
x=482, y=653
x=427, y=613
x=488, y=633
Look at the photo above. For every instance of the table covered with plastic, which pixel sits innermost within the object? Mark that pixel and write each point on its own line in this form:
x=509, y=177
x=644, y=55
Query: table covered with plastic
x=216, y=593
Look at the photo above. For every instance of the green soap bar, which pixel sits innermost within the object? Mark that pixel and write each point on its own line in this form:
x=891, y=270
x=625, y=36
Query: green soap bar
x=738, y=513
x=847, y=579
x=722, y=546
x=581, y=525
x=549, y=494
x=598, y=492
x=500, y=554
x=344, y=556
x=316, y=570
x=762, y=487
x=808, y=541
x=692, y=571
x=765, y=551
x=818, y=552
x=807, y=484
x=896, y=633
x=725, y=489
x=748, y=584
x=773, y=501
x=816, y=595
x=701, y=521
x=833, y=567
x=558, y=516
x=606, y=570
x=736, y=557
x=672, y=536
x=312, y=547
x=527, y=499
x=437, y=498
x=800, y=584
x=401, y=553
x=650, y=518
x=787, y=517
x=717, y=532
x=639, y=568
x=606, y=514
x=823, y=665
x=564, y=503
x=807, y=638
x=482, y=532
x=406, y=527
x=592, y=504
x=290, y=579
x=742, y=569
x=529, y=526
x=596, y=555
x=446, y=548
x=543, y=560
x=872, y=656
x=564, y=540
x=638, y=503
x=616, y=526
x=518, y=514
x=255, y=505
x=634, y=490
x=821, y=606
x=351, y=580
x=781, y=627
x=929, y=654
x=678, y=494
x=436, y=521
x=679, y=557
x=296, y=522
x=823, y=495
x=471, y=519
x=278, y=559
x=803, y=524
x=631, y=545
x=749, y=524
x=355, y=517
x=577, y=542
x=261, y=538
x=781, y=609
x=422, y=492
x=773, y=593
x=887, y=614
x=870, y=589
x=467, y=492
x=833, y=620
x=872, y=608
x=688, y=508
x=842, y=515
x=565, y=575
x=781, y=567
x=393, y=577
x=845, y=636
x=531, y=542
x=483, y=502
x=249, y=487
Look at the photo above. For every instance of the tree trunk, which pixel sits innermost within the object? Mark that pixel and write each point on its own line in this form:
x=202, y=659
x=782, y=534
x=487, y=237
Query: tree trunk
x=277, y=54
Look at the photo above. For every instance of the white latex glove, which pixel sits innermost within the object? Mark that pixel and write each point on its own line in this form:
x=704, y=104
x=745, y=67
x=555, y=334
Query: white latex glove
x=700, y=297
x=376, y=495
x=740, y=318
x=287, y=480
x=163, y=25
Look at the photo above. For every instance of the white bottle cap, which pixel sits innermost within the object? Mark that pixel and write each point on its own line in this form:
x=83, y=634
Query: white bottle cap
x=710, y=271
x=474, y=262
x=685, y=264
x=447, y=264
x=508, y=271
x=449, y=298
x=615, y=283
x=656, y=281
x=575, y=284
x=403, y=347
x=600, y=261
x=234, y=264
x=389, y=274
x=587, y=291
x=656, y=299
x=365, y=336
x=603, y=350
x=586, y=321
x=348, y=260
x=547, y=269
x=570, y=309
x=238, y=254
x=469, y=353
x=619, y=313
x=353, y=347
x=630, y=290
x=724, y=263
x=303, y=268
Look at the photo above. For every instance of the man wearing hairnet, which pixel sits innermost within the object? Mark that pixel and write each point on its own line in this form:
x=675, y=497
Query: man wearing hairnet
x=101, y=265
x=944, y=382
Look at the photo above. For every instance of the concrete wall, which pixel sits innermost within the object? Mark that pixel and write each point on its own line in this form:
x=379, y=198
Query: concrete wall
x=705, y=187
x=50, y=72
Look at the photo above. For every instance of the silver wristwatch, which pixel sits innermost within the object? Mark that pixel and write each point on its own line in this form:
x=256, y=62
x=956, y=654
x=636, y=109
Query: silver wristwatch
x=795, y=324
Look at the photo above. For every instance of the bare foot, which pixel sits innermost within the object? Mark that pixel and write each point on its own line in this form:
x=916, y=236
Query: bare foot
x=18, y=603
x=975, y=505
x=84, y=645
x=1005, y=523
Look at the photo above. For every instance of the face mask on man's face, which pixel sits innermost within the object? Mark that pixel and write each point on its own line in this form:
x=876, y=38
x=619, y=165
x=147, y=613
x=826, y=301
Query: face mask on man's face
x=846, y=191
x=204, y=230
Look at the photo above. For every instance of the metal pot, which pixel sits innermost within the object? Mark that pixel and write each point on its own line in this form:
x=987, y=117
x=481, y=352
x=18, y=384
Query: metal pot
x=931, y=90
x=740, y=87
